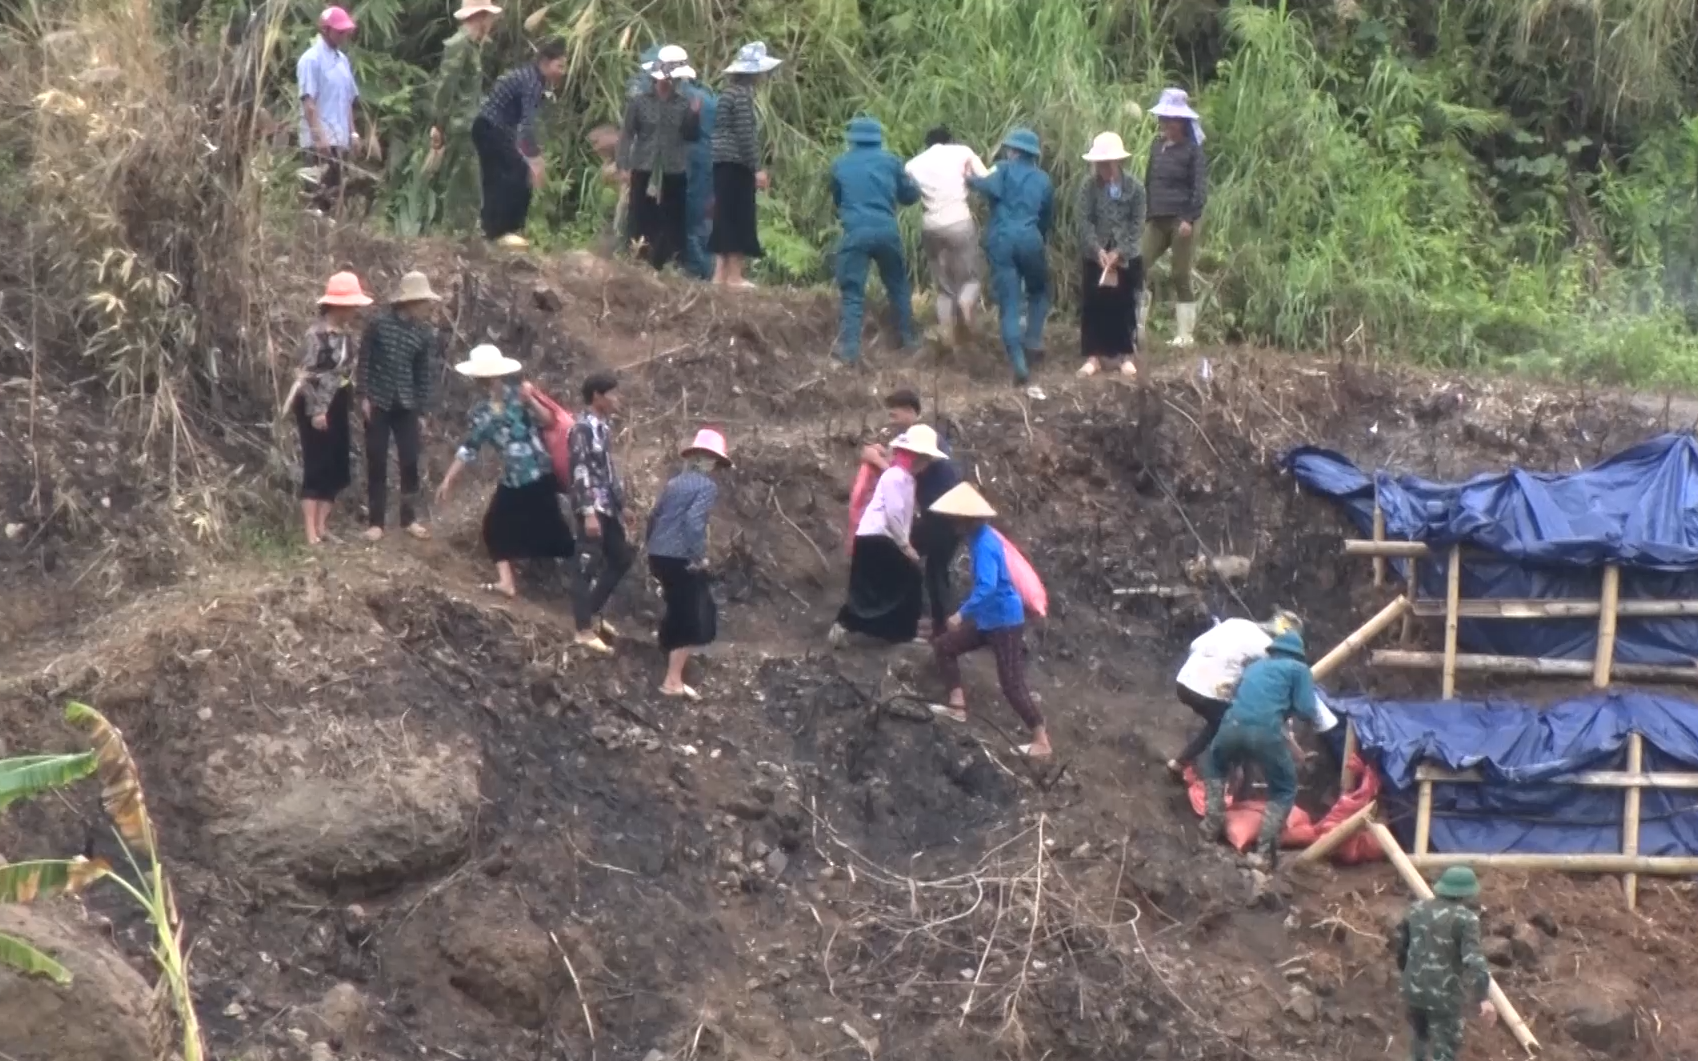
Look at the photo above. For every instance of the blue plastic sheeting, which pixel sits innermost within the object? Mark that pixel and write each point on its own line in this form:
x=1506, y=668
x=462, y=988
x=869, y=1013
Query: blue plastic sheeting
x=1518, y=749
x=1638, y=509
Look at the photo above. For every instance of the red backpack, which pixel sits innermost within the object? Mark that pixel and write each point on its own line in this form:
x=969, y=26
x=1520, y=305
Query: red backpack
x=556, y=438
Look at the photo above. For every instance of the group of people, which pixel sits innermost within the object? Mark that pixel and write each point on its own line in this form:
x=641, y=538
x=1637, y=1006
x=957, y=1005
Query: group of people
x=386, y=370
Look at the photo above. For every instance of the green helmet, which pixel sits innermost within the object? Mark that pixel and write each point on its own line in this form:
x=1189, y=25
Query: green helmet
x=1457, y=882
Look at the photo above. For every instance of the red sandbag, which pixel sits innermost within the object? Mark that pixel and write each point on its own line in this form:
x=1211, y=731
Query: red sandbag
x=556, y=438
x=1244, y=818
x=860, y=496
x=1026, y=581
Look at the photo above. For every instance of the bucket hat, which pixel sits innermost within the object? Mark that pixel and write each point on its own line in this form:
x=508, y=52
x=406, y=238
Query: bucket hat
x=337, y=19
x=753, y=59
x=710, y=442
x=415, y=287
x=920, y=440
x=1107, y=147
x=1289, y=643
x=487, y=362
x=343, y=289
x=1457, y=882
x=468, y=8
x=866, y=132
x=964, y=502
x=1023, y=140
x=1174, y=103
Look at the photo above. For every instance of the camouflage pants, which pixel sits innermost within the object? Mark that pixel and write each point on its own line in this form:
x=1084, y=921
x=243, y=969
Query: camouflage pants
x=1434, y=1035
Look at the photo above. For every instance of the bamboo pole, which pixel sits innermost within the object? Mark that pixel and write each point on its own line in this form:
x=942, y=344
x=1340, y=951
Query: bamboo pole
x=1331, y=840
x=1607, y=604
x=1346, y=779
x=1533, y=862
x=1394, y=548
x=1452, y=596
x=1423, y=817
x=1418, y=884
x=1379, y=536
x=1356, y=641
x=1522, y=665
x=1583, y=779
x=1515, y=608
x=1412, y=590
x=1630, y=818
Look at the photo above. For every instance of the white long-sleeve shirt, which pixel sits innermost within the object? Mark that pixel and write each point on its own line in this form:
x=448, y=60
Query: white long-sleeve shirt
x=1219, y=656
x=890, y=513
x=940, y=171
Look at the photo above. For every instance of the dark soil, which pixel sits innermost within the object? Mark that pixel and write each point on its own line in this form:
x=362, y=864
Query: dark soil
x=406, y=818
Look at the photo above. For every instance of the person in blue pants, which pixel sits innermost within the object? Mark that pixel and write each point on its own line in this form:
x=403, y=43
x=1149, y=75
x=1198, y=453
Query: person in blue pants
x=869, y=185
x=1022, y=209
x=697, y=261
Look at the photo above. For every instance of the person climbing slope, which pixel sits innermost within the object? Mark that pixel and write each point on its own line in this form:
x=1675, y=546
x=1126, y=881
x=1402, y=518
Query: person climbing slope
x=1253, y=731
x=450, y=165
x=677, y=540
x=934, y=537
x=1211, y=672
x=598, y=500
x=947, y=232
x=509, y=152
x=1177, y=182
x=884, y=569
x=991, y=615
x=1443, y=970
x=1022, y=211
x=868, y=185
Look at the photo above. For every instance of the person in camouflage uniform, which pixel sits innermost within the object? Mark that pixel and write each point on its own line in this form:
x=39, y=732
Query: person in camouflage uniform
x=1271, y=691
x=451, y=167
x=1444, y=970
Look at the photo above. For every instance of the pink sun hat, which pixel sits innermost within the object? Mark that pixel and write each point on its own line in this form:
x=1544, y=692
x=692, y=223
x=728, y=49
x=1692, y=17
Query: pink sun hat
x=710, y=442
x=337, y=19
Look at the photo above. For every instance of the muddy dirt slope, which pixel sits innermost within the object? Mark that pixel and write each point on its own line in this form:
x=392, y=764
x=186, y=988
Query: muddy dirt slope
x=408, y=820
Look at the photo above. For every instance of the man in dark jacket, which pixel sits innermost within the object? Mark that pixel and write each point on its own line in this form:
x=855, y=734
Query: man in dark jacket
x=394, y=381
x=1443, y=970
x=868, y=184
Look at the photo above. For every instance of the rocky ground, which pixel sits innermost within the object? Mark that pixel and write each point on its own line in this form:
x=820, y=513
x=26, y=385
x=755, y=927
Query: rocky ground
x=406, y=819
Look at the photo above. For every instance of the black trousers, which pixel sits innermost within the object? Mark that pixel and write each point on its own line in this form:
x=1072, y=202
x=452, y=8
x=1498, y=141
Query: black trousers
x=602, y=562
x=939, y=558
x=1211, y=711
x=505, y=177
x=662, y=224
x=403, y=424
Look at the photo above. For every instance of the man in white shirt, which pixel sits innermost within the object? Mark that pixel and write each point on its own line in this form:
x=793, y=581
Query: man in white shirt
x=947, y=232
x=1210, y=675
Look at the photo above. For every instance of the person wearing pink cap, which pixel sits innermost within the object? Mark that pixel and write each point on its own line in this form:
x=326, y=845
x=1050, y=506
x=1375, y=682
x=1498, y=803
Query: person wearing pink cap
x=320, y=400
x=677, y=540
x=325, y=78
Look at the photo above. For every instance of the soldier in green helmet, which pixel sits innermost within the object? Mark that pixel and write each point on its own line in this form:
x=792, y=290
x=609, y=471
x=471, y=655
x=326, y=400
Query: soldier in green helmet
x=451, y=167
x=1444, y=970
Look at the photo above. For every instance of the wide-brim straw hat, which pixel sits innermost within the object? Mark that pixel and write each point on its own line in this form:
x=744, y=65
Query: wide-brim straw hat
x=753, y=59
x=963, y=502
x=710, y=442
x=343, y=289
x=1107, y=147
x=415, y=287
x=1174, y=103
x=920, y=440
x=487, y=362
x=472, y=7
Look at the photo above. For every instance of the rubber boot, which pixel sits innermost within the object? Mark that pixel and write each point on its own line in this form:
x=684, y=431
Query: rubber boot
x=1214, y=809
x=1186, y=312
x=1267, y=840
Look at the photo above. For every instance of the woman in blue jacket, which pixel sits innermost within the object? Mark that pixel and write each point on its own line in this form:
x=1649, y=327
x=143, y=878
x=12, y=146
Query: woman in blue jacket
x=991, y=615
x=1022, y=201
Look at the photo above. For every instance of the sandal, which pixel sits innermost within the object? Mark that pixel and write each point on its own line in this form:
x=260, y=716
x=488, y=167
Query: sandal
x=1026, y=752
x=1089, y=369
x=373, y=534
x=950, y=711
x=1128, y=369
x=683, y=692
x=593, y=644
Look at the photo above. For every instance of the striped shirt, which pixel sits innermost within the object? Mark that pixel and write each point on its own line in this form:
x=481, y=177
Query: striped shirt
x=657, y=134
x=1177, y=179
x=396, y=363
x=678, y=525
x=737, y=128
x=513, y=105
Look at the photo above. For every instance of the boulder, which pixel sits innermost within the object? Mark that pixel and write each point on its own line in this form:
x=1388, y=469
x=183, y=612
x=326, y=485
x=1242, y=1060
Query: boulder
x=1603, y=1024
x=1498, y=951
x=344, y=1012
x=101, y=1016
x=1303, y=1004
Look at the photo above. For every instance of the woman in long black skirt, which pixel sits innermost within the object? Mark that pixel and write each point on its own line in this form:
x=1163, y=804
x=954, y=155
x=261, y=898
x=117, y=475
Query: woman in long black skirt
x=320, y=401
x=524, y=521
x=737, y=170
x=885, y=574
x=677, y=542
x=1111, y=227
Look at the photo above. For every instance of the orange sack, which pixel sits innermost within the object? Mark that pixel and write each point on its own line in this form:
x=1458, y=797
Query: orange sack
x=1244, y=818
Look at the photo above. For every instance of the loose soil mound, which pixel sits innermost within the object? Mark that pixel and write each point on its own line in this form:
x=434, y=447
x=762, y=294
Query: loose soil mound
x=409, y=818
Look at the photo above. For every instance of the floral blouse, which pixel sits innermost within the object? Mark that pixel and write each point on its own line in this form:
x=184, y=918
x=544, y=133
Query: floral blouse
x=509, y=427
x=327, y=364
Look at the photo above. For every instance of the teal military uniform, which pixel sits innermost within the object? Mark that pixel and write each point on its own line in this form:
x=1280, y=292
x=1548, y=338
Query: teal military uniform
x=1022, y=211
x=1253, y=729
x=1444, y=972
x=868, y=184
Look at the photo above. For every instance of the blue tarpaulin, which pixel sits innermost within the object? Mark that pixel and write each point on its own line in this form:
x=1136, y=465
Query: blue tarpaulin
x=1518, y=749
x=1638, y=509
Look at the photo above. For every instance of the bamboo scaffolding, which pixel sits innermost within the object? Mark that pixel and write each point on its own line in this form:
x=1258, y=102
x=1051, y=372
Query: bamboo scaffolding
x=1343, y=651
x=1453, y=595
x=1630, y=818
x=1336, y=836
x=1418, y=884
x=1393, y=548
x=1608, y=603
x=1379, y=536
x=1515, y=608
x=1527, y=666
x=1423, y=818
x=1650, y=865
x=1412, y=590
x=1582, y=779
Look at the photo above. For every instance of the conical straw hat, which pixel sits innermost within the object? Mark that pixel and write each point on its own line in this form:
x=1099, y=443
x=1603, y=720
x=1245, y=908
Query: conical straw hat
x=965, y=502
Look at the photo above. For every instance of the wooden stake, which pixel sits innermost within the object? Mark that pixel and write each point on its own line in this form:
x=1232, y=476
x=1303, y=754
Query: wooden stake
x=1331, y=840
x=1452, y=596
x=1513, y=608
x=1630, y=818
x=1346, y=779
x=1413, y=591
x=1607, y=603
x=1379, y=536
x=1423, y=817
x=1417, y=884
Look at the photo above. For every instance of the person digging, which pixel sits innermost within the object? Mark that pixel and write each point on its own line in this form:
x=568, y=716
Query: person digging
x=1442, y=967
x=1253, y=730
